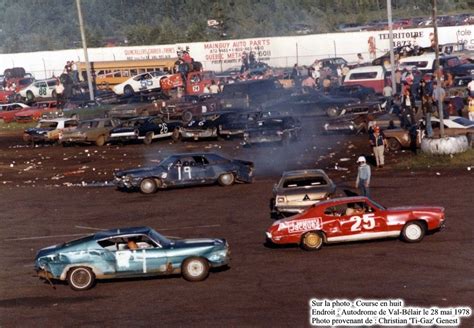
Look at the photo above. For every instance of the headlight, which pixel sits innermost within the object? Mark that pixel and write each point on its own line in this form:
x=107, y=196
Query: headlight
x=216, y=256
x=281, y=199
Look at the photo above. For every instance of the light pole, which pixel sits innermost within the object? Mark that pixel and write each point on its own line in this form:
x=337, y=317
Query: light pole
x=438, y=81
x=84, y=46
x=392, y=55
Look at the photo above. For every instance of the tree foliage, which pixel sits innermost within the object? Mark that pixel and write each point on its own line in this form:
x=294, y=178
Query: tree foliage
x=33, y=25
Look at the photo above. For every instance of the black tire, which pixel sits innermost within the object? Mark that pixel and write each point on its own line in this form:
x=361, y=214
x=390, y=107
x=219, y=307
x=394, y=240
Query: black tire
x=176, y=135
x=80, y=278
x=148, y=138
x=333, y=111
x=226, y=179
x=100, y=141
x=148, y=186
x=393, y=144
x=187, y=117
x=312, y=241
x=53, y=94
x=128, y=91
x=413, y=232
x=30, y=96
x=195, y=269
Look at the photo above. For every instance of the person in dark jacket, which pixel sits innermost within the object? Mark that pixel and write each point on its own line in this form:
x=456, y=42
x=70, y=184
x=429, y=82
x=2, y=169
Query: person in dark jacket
x=408, y=108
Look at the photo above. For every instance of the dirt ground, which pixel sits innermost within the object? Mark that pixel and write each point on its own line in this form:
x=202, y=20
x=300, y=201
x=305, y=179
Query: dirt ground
x=51, y=194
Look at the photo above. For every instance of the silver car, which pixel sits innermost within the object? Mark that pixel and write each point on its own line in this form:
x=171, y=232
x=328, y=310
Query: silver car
x=298, y=190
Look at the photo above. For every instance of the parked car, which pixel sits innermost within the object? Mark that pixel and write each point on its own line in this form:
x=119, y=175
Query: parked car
x=139, y=83
x=39, y=89
x=353, y=91
x=146, y=129
x=359, y=123
x=96, y=131
x=8, y=111
x=353, y=219
x=136, y=106
x=36, y=111
x=49, y=130
x=186, y=170
x=367, y=107
x=189, y=106
x=300, y=189
x=453, y=126
x=283, y=130
x=128, y=253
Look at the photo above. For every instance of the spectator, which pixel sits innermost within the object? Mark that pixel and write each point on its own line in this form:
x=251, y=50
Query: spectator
x=388, y=93
x=438, y=97
x=214, y=88
x=327, y=83
x=59, y=94
x=308, y=83
x=398, y=81
x=427, y=109
x=470, y=88
x=252, y=59
x=344, y=71
x=470, y=107
x=408, y=105
x=363, y=177
x=75, y=73
x=360, y=59
x=245, y=63
x=378, y=143
x=458, y=103
x=294, y=72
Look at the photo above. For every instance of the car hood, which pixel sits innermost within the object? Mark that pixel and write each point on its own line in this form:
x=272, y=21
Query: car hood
x=198, y=242
x=48, y=250
x=139, y=171
x=437, y=209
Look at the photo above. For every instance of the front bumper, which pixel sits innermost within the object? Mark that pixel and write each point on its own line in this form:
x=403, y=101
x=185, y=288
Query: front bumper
x=263, y=139
x=35, y=137
x=192, y=134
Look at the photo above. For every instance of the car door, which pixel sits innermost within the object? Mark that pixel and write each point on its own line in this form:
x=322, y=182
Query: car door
x=146, y=82
x=203, y=171
x=180, y=172
x=149, y=258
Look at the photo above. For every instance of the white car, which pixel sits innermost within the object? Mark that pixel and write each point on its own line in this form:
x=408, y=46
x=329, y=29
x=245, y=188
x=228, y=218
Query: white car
x=141, y=82
x=40, y=89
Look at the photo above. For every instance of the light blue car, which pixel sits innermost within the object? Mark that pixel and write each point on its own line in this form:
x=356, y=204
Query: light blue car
x=129, y=252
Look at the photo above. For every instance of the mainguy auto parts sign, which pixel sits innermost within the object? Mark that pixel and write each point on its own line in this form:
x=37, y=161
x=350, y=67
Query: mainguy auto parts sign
x=231, y=51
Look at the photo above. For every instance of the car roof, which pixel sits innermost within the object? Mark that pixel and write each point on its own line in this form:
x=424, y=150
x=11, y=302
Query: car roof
x=342, y=200
x=121, y=231
x=303, y=172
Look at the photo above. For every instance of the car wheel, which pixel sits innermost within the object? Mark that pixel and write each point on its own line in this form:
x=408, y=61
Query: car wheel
x=393, y=144
x=187, y=117
x=30, y=96
x=53, y=94
x=148, y=186
x=100, y=141
x=312, y=241
x=413, y=232
x=195, y=269
x=128, y=91
x=148, y=138
x=333, y=111
x=226, y=179
x=80, y=278
x=176, y=135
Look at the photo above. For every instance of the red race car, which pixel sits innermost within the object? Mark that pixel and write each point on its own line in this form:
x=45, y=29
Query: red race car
x=355, y=218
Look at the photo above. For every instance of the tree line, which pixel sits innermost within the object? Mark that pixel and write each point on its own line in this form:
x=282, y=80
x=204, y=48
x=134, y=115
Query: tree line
x=35, y=25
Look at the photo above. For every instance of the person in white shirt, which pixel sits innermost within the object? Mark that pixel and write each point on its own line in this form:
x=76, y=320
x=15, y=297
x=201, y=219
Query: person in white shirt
x=470, y=88
x=214, y=88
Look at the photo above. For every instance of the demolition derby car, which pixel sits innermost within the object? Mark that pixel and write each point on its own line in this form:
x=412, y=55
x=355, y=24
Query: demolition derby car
x=129, y=252
x=187, y=169
x=298, y=190
x=355, y=218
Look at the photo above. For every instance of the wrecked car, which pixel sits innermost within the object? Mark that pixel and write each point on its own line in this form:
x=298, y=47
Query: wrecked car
x=367, y=107
x=300, y=189
x=182, y=170
x=129, y=253
x=96, y=131
x=146, y=129
x=270, y=130
x=352, y=219
x=49, y=130
x=189, y=106
x=359, y=123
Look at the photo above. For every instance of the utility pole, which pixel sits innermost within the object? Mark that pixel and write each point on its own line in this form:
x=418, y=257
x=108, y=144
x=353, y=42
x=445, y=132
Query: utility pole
x=392, y=55
x=84, y=46
x=438, y=81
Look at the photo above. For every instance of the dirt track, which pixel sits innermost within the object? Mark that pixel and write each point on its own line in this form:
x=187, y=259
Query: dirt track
x=264, y=287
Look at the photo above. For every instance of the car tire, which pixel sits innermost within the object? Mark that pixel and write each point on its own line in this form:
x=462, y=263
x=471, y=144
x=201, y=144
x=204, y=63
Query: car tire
x=393, y=144
x=100, y=141
x=187, y=117
x=176, y=135
x=53, y=94
x=148, y=186
x=312, y=241
x=148, y=138
x=226, y=179
x=195, y=269
x=80, y=278
x=30, y=96
x=413, y=232
x=128, y=91
x=333, y=111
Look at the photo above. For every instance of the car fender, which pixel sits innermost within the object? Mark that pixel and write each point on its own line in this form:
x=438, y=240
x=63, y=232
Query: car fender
x=97, y=272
